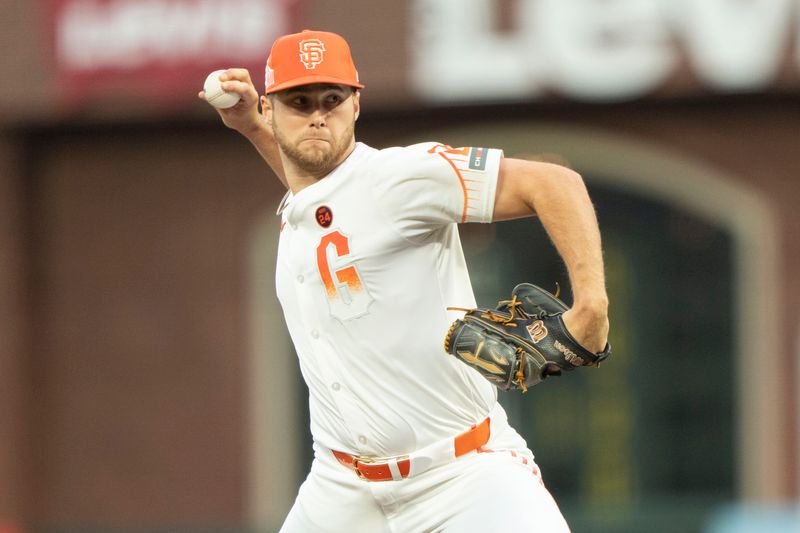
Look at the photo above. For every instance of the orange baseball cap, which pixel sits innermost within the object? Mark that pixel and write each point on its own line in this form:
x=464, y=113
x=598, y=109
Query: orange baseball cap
x=310, y=57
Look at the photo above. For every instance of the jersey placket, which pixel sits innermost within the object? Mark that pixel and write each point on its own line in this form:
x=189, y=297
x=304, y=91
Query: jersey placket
x=315, y=317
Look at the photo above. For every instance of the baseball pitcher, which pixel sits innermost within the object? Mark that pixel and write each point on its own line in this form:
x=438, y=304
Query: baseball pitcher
x=402, y=368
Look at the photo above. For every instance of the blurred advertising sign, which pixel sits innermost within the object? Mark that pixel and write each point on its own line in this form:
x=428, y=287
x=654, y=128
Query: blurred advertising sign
x=161, y=49
x=601, y=50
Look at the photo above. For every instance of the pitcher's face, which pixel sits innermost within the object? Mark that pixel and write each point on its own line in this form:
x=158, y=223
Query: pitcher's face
x=314, y=125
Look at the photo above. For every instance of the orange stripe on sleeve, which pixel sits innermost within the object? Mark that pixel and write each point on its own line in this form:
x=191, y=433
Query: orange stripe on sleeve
x=463, y=186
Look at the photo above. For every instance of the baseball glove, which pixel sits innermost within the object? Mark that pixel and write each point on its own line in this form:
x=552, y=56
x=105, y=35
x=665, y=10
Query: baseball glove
x=521, y=342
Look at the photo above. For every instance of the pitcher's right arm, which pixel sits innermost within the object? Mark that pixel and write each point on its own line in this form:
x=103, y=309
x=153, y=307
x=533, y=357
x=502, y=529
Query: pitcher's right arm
x=245, y=118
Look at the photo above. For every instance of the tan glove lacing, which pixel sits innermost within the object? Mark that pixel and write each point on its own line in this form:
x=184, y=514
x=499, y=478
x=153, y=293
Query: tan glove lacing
x=520, y=375
x=513, y=307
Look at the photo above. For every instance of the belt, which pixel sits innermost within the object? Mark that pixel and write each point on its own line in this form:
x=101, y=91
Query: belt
x=397, y=468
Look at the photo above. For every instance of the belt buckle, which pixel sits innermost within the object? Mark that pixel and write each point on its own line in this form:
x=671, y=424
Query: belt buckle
x=358, y=459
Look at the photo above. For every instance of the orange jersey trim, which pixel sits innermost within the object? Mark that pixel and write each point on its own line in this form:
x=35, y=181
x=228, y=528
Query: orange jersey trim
x=463, y=186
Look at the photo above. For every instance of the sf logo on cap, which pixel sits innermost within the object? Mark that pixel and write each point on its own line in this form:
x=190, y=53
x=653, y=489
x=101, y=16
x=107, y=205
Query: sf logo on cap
x=311, y=52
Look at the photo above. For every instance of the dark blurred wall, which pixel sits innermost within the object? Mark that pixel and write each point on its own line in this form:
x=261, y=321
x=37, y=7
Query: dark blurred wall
x=27, y=95
x=14, y=334
x=137, y=357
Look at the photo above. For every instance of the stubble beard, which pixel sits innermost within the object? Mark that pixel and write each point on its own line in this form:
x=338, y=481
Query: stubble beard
x=315, y=160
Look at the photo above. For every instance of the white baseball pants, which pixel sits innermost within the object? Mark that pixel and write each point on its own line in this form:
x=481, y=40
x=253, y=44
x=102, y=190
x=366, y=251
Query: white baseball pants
x=481, y=492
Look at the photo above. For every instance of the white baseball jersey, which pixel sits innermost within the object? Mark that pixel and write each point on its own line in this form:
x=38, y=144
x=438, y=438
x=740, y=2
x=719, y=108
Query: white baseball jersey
x=369, y=259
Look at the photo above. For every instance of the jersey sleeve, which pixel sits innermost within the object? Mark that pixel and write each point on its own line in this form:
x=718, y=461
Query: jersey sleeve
x=425, y=186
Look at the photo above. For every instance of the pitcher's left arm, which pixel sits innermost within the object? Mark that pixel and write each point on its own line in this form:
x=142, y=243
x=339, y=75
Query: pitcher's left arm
x=558, y=196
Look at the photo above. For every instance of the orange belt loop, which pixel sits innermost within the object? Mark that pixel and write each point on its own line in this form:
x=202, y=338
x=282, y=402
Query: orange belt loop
x=472, y=439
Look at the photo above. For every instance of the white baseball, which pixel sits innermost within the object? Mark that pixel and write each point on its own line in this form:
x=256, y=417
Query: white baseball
x=215, y=95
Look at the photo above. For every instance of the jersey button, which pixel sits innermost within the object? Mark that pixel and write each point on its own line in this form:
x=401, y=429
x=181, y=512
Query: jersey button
x=300, y=279
x=315, y=333
x=362, y=439
x=336, y=386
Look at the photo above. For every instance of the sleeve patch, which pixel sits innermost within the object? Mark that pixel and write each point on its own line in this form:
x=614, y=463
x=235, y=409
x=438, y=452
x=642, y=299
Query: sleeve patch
x=477, y=158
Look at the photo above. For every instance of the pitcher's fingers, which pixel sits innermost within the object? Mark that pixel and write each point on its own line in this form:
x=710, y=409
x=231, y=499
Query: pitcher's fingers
x=245, y=90
x=237, y=74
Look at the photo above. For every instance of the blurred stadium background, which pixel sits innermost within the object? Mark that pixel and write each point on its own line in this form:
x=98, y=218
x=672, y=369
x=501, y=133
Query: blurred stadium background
x=146, y=379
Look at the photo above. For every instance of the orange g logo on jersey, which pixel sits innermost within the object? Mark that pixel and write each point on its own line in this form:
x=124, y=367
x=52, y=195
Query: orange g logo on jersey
x=347, y=295
x=311, y=52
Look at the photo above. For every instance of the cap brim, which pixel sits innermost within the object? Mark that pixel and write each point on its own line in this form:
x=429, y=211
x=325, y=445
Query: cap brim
x=310, y=80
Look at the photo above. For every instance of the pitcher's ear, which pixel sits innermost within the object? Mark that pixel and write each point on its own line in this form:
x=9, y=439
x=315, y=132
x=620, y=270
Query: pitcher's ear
x=266, y=108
